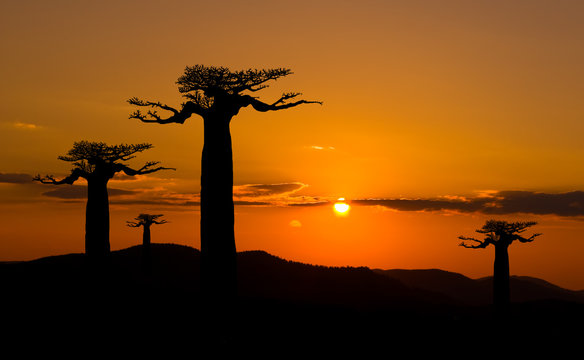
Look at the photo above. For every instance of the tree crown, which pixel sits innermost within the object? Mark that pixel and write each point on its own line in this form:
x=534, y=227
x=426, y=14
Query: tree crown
x=503, y=227
x=204, y=85
x=88, y=156
x=214, y=79
x=94, y=152
x=146, y=219
x=499, y=232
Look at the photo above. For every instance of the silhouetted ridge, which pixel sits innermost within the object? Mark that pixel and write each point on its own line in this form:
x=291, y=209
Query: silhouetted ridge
x=478, y=292
x=454, y=285
x=281, y=302
x=267, y=276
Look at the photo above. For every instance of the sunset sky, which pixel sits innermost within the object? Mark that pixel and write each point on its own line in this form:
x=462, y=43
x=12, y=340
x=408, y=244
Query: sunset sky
x=436, y=116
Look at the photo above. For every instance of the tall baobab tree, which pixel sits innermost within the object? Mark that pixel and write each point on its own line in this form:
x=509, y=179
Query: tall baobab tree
x=500, y=234
x=146, y=221
x=217, y=94
x=97, y=163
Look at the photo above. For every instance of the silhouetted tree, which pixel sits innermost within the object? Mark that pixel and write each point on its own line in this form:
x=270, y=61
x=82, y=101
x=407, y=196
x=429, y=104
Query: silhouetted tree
x=97, y=163
x=217, y=94
x=500, y=234
x=146, y=220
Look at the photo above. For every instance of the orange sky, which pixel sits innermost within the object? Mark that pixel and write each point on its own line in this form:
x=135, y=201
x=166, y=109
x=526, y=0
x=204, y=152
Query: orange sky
x=424, y=101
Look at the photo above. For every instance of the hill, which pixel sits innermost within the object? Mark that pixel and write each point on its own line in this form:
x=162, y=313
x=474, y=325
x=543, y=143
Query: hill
x=478, y=292
x=281, y=303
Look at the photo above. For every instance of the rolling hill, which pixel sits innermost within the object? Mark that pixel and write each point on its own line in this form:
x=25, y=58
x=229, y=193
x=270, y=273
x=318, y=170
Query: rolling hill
x=280, y=302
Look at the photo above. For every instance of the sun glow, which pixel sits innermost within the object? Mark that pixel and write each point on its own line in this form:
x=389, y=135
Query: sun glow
x=340, y=207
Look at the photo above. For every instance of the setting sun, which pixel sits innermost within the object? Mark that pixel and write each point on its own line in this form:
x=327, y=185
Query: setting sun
x=341, y=207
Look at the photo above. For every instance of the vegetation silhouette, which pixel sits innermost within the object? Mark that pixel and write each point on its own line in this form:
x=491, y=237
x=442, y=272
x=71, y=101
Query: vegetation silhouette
x=217, y=94
x=284, y=304
x=500, y=234
x=97, y=163
x=146, y=221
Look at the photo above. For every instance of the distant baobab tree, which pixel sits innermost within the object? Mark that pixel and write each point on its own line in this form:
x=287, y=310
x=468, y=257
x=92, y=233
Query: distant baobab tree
x=146, y=220
x=217, y=94
x=500, y=234
x=97, y=163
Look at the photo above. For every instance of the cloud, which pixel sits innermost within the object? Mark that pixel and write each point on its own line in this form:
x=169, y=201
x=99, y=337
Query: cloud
x=80, y=192
x=13, y=178
x=243, y=195
x=312, y=201
x=563, y=204
x=425, y=204
x=317, y=147
x=295, y=223
x=283, y=194
x=263, y=190
x=22, y=126
x=568, y=204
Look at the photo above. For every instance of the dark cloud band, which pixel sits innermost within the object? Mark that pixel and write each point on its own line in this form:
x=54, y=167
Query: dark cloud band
x=15, y=178
x=499, y=203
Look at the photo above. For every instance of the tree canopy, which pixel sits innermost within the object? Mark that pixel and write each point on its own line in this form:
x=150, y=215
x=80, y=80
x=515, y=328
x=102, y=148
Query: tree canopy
x=208, y=88
x=146, y=219
x=88, y=157
x=499, y=232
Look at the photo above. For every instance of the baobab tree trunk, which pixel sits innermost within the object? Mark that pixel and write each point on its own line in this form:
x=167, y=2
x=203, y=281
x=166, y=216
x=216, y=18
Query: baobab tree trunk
x=146, y=252
x=218, y=253
x=501, y=287
x=97, y=243
x=146, y=236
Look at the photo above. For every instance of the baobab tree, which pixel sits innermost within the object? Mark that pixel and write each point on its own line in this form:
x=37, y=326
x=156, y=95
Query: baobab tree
x=146, y=221
x=217, y=94
x=500, y=234
x=97, y=163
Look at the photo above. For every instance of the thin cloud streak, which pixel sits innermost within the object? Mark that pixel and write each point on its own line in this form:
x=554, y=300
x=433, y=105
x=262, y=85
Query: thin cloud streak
x=80, y=192
x=14, y=178
x=318, y=147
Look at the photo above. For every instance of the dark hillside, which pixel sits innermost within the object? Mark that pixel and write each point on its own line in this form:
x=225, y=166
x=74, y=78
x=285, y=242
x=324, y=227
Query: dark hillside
x=282, y=304
x=479, y=292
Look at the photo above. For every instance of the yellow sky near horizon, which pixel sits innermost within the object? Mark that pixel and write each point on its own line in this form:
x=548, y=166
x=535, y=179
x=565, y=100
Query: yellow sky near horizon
x=423, y=100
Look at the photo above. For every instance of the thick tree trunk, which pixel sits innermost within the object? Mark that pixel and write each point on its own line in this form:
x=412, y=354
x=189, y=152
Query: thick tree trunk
x=218, y=253
x=501, y=286
x=146, y=235
x=97, y=218
x=146, y=251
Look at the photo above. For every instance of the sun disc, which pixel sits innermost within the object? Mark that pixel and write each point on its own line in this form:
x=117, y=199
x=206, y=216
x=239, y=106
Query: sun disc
x=341, y=207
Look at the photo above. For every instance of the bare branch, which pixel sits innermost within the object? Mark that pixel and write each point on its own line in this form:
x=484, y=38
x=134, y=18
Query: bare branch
x=148, y=168
x=133, y=224
x=529, y=239
x=279, y=104
x=480, y=245
x=50, y=179
x=178, y=116
x=285, y=97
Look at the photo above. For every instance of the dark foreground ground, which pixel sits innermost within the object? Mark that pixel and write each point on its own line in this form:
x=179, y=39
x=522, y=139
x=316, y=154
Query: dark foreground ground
x=64, y=305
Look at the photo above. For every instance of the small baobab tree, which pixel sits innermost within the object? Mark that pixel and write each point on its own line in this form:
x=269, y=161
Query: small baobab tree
x=97, y=163
x=146, y=221
x=217, y=94
x=500, y=234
